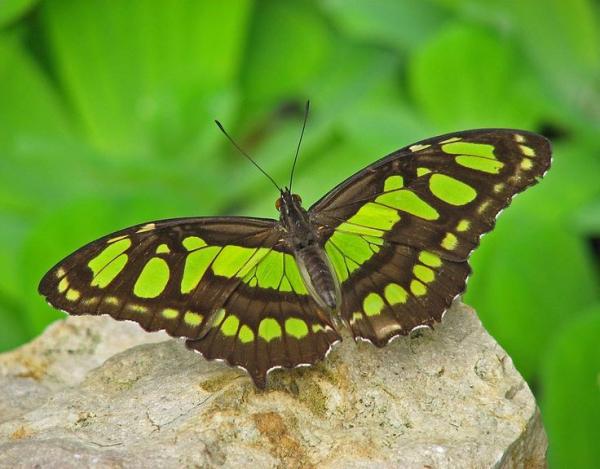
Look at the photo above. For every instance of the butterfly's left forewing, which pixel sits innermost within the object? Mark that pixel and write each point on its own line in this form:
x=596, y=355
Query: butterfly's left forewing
x=226, y=284
x=399, y=232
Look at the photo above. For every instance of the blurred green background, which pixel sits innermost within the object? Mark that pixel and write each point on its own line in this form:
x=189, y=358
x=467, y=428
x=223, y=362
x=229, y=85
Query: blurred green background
x=106, y=120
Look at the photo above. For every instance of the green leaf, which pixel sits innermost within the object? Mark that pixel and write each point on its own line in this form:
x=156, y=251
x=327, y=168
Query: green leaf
x=560, y=44
x=349, y=77
x=144, y=74
x=563, y=43
x=399, y=24
x=334, y=92
x=358, y=84
x=44, y=174
x=380, y=122
x=571, y=393
x=30, y=107
x=11, y=241
x=570, y=184
x=588, y=219
x=466, y=77
x=536, y=265
x=519, y=286
x=13, y=332
x=288, y=43
x=344, y=88
x=12, y=10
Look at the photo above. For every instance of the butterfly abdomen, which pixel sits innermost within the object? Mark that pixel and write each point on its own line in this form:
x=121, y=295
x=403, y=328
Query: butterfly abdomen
x=314, y=265
x=319, y=277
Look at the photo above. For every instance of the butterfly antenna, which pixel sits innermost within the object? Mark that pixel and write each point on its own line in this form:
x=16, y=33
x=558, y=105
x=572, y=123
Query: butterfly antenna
x=299, y=143
x=246, y=155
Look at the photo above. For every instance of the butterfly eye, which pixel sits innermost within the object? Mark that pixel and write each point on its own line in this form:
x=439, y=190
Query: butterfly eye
x=278, y=204
x=297, y=199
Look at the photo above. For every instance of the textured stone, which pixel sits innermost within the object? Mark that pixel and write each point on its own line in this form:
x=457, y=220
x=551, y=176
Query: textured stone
x=83, y=395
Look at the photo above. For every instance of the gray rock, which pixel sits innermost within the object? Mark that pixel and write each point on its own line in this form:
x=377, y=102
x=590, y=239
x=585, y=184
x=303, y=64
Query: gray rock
x=95, y=392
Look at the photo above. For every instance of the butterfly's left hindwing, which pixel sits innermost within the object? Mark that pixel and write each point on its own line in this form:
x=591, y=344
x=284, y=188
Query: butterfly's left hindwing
x=228, y=285
x=399, y=232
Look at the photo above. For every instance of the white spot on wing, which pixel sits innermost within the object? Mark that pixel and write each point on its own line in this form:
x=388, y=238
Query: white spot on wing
x=418, y=147
x=146, y=227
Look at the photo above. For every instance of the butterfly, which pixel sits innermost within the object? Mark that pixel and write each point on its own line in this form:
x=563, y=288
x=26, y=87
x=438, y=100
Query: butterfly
x=381, y=254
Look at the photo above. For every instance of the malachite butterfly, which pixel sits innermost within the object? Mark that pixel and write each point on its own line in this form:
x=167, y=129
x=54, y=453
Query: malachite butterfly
x=383, y=253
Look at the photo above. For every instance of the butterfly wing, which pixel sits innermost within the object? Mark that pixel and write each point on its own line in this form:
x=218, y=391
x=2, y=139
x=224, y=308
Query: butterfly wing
x=399, y=232
x=229, y=285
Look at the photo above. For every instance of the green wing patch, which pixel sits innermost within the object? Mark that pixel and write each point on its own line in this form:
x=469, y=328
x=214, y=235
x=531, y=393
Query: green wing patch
x=399, y=233
x=228, y=285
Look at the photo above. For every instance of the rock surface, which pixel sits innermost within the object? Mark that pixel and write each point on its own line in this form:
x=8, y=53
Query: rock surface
x=95, y=392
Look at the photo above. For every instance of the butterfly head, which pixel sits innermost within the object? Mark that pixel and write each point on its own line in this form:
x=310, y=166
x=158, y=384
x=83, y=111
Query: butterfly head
x=287, y=200
x=294, y=219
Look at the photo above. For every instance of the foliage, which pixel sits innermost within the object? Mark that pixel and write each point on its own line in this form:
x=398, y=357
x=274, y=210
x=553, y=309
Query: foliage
x=106, y=116
x=570, y=377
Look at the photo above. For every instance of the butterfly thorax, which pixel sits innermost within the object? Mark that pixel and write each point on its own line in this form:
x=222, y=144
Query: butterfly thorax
x=315, y=267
